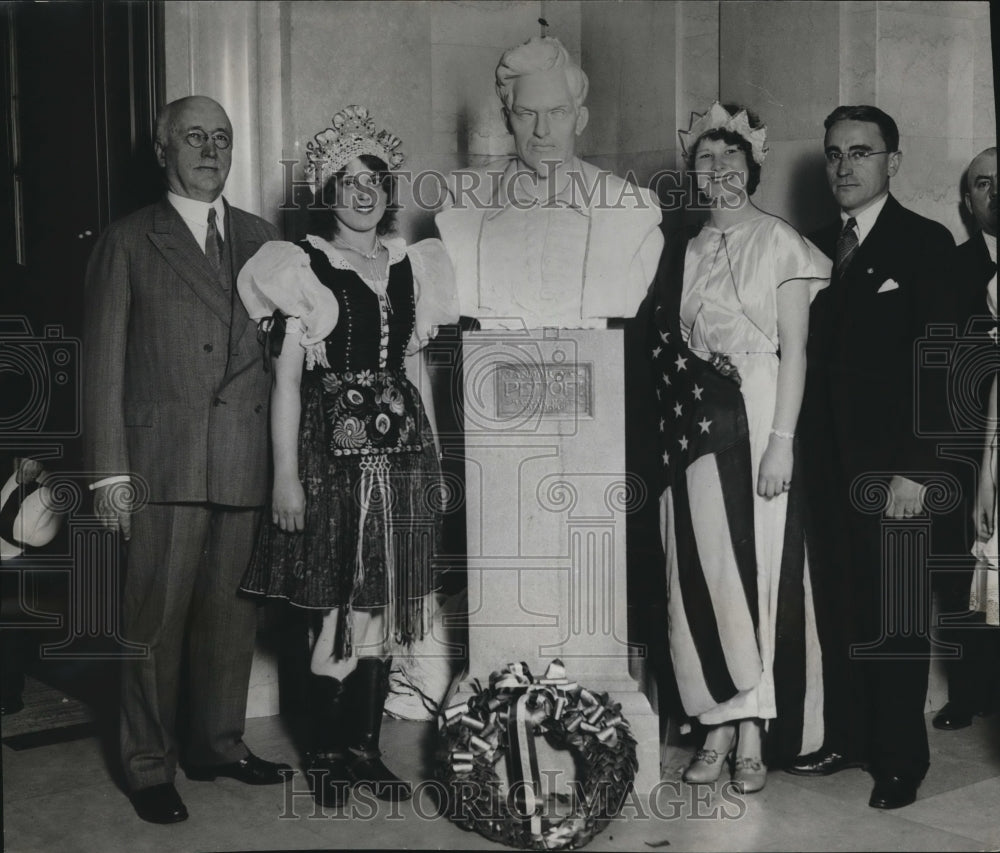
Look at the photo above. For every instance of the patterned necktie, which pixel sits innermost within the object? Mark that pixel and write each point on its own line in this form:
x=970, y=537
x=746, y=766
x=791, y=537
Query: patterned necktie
x=213, y=241
x=847, y=245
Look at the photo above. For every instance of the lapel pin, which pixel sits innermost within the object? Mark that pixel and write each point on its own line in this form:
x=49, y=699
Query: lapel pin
x=871, y=270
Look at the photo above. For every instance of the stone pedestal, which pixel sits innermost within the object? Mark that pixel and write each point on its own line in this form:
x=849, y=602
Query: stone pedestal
x=545, y=508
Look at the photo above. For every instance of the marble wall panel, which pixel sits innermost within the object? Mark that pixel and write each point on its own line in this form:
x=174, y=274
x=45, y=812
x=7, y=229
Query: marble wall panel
x=701, y=17
x=984, y=117
x=928, y=179
x=467, y=41
x=793, y=184
x=782, y=60
x=464, y=97
x=697, y=86
x=565, y=18
x=376, y=54
x=644, y=168
x=858, y=54
x=697, y=73
x=629, y=55
x=336, y=50
x=603, y=63
x=925, y=72
x=499, y=24
x=938, y=8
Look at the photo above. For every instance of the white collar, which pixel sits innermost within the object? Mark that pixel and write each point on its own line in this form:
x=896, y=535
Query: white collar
x=865, y=220
x=197, y=211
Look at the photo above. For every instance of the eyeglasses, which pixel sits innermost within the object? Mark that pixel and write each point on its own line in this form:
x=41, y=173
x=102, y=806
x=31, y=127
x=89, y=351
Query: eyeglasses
x=197, y=139
x=855, y=155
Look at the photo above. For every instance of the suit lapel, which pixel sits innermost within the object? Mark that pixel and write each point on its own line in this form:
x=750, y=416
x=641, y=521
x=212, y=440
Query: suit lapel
x=245, y=238
x=175, y=242
x=985, y=268
x=867, y=268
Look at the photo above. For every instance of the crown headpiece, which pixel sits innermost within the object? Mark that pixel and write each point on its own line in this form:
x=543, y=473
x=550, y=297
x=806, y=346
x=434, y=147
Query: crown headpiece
x=353, y=134
x=717, y=117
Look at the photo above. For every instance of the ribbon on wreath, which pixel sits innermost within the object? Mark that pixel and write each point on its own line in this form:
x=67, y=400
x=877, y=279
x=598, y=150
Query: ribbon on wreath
x=519, y=703
x=503, y=719
x=522, y=764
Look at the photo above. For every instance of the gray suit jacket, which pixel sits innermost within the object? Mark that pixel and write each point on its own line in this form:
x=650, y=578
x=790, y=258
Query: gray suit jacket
x=174, y=386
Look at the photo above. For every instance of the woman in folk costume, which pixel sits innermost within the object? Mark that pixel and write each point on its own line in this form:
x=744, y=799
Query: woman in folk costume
x=357, y=495
x=730, y=311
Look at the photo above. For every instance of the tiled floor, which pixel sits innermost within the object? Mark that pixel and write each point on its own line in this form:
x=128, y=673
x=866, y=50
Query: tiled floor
x=64, y=797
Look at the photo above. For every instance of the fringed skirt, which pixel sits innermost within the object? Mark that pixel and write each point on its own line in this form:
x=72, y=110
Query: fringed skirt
x=372, y=529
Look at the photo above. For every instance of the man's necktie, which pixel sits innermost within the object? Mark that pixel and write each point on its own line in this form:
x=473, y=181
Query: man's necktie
x=847, y=245
x=213, y=241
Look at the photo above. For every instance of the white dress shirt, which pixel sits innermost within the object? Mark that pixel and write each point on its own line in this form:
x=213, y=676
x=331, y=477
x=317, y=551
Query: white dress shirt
x=865, y=220
x=195, y=215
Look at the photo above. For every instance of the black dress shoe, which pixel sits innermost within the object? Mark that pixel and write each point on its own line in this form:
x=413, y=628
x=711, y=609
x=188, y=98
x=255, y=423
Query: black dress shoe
x=821, y=763
x=159, y=804
x=251, y=770
x=892, y=792
x=952, y=717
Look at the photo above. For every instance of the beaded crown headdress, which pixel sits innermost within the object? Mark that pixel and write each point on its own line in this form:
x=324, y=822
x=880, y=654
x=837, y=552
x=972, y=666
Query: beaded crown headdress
x=717, y=117
x=353, y=133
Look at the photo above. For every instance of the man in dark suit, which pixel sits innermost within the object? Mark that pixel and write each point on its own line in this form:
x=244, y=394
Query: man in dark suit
x=176, y=401
x=866, y=464
x=971, y=677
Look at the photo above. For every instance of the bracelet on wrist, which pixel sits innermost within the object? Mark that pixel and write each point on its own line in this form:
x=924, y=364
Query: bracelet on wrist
x=781, y=434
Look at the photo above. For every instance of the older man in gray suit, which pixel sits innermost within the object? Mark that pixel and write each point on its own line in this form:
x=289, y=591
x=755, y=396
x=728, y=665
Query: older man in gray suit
x=176, y=396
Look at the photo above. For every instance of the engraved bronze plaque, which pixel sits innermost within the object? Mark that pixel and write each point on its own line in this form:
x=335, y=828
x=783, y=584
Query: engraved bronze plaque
x=549, y=390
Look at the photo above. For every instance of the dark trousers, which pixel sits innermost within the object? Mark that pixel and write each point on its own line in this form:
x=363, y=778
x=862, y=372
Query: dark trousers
x=872, y=616
x=972, y=676
x=185, y=562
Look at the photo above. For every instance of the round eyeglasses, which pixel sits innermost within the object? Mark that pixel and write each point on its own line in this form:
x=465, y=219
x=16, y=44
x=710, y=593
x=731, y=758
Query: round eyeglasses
x=855, y=155
x=198, y=138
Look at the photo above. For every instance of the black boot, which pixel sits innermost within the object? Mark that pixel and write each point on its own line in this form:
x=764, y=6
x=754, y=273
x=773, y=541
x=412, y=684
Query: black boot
x=369, y=688
x=326, y=762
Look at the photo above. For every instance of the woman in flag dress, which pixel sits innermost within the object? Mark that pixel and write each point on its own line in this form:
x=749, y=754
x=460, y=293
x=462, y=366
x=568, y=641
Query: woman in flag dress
x=730, y=321
x=356, y=504
x=985, y=596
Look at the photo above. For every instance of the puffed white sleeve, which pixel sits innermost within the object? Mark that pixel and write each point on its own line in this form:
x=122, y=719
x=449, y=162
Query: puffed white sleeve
x=435, y=290
x=798, y=259
x=279, y=277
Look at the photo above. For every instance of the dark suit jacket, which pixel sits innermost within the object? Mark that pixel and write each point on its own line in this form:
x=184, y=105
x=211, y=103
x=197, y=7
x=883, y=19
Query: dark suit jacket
x=175, y=391
x=973, y=270
x=865, y=340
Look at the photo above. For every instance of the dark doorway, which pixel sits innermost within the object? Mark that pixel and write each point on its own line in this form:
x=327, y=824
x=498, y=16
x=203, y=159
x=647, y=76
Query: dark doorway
x=80, y=84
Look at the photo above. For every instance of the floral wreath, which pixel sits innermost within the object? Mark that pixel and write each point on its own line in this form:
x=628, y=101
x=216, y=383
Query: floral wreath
x=502, y=722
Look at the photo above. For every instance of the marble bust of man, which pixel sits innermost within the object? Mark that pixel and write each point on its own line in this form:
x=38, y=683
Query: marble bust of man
x=545, y=239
